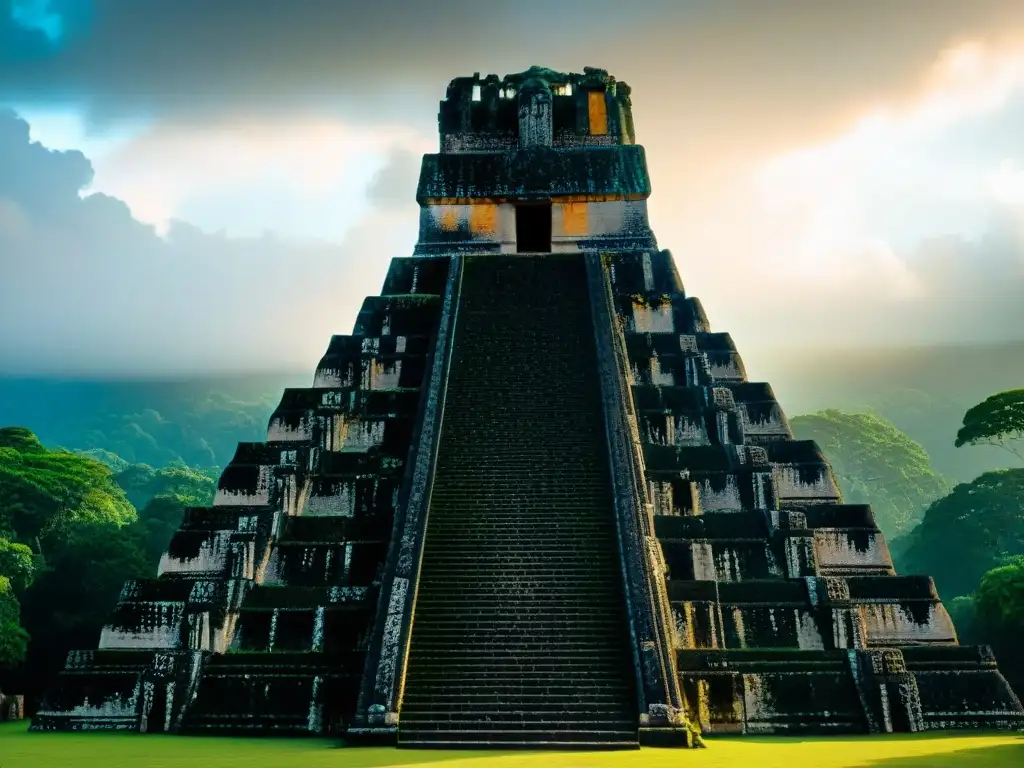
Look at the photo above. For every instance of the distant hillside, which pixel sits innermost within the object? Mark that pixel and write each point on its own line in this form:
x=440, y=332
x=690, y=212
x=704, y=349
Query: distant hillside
x=923, y=391
x=198, y=421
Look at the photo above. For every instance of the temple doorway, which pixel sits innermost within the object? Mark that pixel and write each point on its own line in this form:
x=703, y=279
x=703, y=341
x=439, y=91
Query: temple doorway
x=533, y=228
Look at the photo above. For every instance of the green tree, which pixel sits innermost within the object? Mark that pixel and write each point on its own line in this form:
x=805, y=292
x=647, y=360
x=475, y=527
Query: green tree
x=974, y=529
x=111, y=459
x=159, y=519
x=161, y=496
x=143, y=483
x=17, y=568
x=1000, y=597
x=998, y=421
x=13, y=637
x=17, y=564
x=875, y=463
x=1000, y=608
x=72, y=596
x=41, y=490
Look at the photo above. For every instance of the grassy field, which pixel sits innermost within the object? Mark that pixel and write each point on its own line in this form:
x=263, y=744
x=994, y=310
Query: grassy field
x=20, y=749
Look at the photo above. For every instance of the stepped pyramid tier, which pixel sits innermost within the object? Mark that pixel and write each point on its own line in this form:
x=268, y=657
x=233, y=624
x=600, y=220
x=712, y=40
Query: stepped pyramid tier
x=533, y=499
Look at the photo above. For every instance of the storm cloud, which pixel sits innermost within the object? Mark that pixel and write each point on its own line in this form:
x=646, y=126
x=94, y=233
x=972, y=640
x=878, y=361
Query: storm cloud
x=728, y=65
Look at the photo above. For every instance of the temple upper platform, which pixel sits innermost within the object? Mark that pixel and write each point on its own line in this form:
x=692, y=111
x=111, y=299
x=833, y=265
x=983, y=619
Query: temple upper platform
x=538, y=107
x=535, y=162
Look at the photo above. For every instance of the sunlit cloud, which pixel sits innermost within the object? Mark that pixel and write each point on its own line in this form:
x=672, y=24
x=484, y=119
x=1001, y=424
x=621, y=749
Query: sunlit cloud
x=1006, y=184
x=268, y=175
x=847, y=205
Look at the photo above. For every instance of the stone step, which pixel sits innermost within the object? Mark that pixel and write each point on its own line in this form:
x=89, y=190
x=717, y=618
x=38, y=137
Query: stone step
x=509, y=721
x=566, y=628
x=470, y=557
x=493, y=535
x=553, y=709
x=611, y=695
x=520, y=696
x=482, y=738
x=535, y=591
x=551, y=595
x=582, y=618
x=525, y=543
x=530, y=606
x=513, y=677
x=596, y=654
x=491, y=666
x=520, y=605
x=560, y=565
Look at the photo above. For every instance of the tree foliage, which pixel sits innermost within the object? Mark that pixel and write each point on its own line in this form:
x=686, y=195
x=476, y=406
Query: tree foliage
x=13, y=637
x=42, y=491
x=17, y=564
x=976, y=528
x=875, y=463
x=84, y=520
x=71, y=599
x=998, y=421
x=1000, y=597
x=1000, y=617
x=142, y=483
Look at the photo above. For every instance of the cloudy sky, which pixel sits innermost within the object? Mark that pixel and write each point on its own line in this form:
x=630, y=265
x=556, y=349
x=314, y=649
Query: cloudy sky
x=188, y=185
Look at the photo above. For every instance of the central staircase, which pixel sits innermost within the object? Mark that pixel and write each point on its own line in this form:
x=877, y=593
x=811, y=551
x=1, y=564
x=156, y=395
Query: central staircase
x=520, y=633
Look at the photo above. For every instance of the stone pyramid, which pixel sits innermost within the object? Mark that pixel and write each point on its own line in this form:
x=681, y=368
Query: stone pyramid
x=533, y=500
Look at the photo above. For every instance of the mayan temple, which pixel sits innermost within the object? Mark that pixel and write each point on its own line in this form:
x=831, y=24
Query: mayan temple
x=531, y=499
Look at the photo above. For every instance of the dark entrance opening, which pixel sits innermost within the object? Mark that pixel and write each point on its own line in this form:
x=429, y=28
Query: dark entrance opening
x=533, y=228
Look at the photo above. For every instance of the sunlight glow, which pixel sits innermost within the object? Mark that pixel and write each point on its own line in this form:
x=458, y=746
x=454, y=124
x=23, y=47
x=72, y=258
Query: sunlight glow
x=824, y=206
x=311, y=161
x=1006, y=184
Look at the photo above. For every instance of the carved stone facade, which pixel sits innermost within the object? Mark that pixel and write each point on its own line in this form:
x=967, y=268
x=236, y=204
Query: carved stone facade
x=750, y=598
x=789, y=615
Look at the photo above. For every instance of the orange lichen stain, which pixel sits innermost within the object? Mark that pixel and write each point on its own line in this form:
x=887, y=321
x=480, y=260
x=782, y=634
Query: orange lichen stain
x=598, y=113
x=483, y=218
x=449, y=219
x=575, y=220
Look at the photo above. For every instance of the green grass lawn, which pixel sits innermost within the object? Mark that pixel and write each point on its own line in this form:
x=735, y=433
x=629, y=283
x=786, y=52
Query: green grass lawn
x=20, y=749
